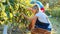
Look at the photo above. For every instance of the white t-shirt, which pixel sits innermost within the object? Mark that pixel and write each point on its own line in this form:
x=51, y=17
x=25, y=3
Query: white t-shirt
x=42, y=17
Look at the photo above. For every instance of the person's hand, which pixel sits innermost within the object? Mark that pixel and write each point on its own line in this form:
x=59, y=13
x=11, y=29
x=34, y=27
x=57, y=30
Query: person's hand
x=22, y=14
x=29, y=8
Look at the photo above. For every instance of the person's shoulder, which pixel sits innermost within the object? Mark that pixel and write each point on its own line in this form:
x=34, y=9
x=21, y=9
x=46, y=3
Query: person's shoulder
x=38, y=14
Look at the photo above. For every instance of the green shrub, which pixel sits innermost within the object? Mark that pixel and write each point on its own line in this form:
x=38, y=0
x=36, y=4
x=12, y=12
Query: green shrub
x=55, y=12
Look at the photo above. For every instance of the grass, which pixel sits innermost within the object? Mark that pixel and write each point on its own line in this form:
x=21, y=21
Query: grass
x=56, y=25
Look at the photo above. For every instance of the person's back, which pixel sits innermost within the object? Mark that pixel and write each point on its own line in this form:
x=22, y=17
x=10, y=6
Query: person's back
x=43, y=21
x=42, y=17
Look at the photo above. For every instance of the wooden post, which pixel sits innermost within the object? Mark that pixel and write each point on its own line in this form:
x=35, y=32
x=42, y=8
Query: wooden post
x=5, y=29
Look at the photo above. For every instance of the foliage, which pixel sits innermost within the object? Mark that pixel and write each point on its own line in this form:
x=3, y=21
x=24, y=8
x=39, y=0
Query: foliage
x=10, y=11
x=55, y=12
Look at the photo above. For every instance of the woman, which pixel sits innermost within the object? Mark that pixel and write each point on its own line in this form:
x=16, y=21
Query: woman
x=39, y=20
x=41, y=6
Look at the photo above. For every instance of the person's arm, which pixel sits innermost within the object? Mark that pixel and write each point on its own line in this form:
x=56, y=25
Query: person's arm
x=33, y=21
x=32, y=24
x=29, y=18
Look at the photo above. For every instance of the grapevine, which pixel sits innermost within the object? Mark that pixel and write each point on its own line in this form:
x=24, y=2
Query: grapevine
x=10, y=11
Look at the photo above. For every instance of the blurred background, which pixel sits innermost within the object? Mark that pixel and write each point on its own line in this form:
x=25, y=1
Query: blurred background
x=12, y=23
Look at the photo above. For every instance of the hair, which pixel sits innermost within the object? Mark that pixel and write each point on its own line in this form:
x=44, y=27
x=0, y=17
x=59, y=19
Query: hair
x=35, y=7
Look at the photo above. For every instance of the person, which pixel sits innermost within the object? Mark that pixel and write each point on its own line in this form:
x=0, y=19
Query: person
x=41, y=6
x=39, y=20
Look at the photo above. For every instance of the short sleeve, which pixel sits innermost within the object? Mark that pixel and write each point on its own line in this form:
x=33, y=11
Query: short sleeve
x=38, y=14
